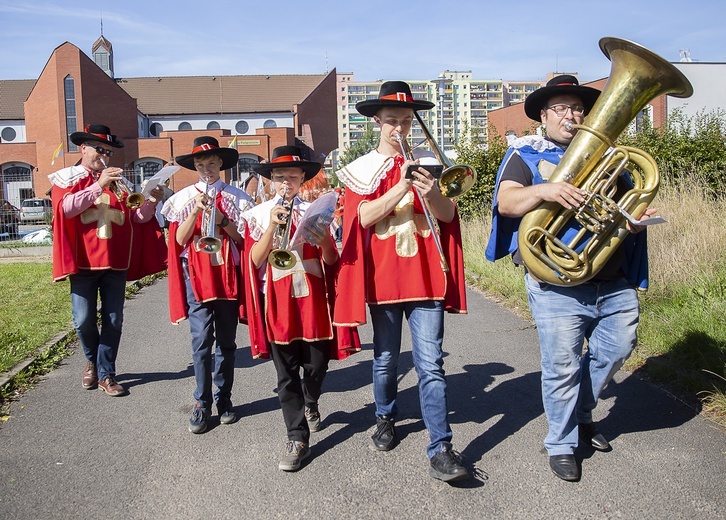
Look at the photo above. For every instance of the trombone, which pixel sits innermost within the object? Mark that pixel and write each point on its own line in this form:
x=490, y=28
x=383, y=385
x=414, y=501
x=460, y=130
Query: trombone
x=133, y=200
x=280, y=256
x=456, y=179
x=209, y=243
x=431, y=221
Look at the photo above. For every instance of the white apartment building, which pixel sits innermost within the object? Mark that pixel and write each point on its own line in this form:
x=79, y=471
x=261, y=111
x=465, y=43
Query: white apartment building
x=461, y=104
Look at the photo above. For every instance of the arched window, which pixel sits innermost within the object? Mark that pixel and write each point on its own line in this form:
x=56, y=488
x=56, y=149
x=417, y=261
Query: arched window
x=185, y=126
x=270, y=123
x=155, y=129
x=69, y=94
x=213, y=125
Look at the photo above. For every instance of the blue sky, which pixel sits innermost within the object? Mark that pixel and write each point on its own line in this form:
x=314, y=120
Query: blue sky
x=516, y=40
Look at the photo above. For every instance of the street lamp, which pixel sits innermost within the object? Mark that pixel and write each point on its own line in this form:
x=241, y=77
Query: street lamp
x=441, y=82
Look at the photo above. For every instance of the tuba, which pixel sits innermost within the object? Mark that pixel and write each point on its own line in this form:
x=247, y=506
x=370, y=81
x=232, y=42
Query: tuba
x=568, y=247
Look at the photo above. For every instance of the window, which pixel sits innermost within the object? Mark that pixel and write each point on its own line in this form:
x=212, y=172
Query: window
x=242, y=127
x=69, y=93
x=101, y=59
x=213, y=125
x=185, y=126
x=270, y=124
x=155, y=129
x=8, y=134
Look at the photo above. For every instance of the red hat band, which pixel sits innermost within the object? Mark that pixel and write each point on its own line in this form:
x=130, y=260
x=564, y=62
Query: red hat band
x=398, y=96
x=204, y=147
x=286, y=158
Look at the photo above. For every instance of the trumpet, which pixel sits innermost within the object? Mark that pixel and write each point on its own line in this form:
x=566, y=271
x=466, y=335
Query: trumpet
x=280, y=256
x=431, y=221
x=209, y=243
x=133, y=200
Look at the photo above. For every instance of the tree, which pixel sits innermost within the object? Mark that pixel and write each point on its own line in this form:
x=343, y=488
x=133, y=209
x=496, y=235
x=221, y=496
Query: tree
x=367, y=142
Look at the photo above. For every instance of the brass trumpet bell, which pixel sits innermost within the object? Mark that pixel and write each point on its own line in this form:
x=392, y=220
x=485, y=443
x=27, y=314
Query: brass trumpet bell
x=282, y=259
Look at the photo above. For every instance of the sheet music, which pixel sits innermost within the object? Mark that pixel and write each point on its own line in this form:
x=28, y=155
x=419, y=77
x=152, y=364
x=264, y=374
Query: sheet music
x=160, y=177
x=645, y=222
x=320, y=213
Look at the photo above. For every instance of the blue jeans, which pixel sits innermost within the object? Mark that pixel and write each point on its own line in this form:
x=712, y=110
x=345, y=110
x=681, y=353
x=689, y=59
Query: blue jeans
x=426, y=321
x=603, y=313
x=204, y=319
x=99, y=347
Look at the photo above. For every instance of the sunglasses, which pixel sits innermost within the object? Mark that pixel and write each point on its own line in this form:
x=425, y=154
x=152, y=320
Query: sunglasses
x=100, y=150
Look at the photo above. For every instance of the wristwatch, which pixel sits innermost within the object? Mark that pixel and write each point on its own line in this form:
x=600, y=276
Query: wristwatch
x=224, y=222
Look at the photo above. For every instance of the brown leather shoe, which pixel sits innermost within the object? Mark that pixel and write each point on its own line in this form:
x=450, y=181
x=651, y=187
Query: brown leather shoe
x=90, y=377
x=111, y=387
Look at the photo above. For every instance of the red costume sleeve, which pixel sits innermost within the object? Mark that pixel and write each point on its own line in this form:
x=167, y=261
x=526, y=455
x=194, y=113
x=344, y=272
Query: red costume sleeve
x=178, y=308
x=64, y=237
x=350, y=309
x=345, y=339
x=148, y=250
x=455, y=298
x=255, y=310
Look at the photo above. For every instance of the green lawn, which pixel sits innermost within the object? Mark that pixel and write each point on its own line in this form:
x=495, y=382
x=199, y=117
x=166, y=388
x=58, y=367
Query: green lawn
x=33, y=310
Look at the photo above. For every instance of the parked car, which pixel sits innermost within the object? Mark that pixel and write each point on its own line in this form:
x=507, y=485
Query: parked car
x=9, y=220
x=36, y=210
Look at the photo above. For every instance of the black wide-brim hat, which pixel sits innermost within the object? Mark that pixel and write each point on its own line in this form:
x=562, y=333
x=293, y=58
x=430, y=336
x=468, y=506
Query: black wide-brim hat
x=287, y=157
x=562, y=85
x=208, y=145
x=393, y=94
x=95, y=132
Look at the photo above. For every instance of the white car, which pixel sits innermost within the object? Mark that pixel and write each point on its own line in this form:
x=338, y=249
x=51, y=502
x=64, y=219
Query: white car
x=36, y=210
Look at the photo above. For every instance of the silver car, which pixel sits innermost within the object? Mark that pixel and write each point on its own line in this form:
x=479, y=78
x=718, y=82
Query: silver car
x=36, y=210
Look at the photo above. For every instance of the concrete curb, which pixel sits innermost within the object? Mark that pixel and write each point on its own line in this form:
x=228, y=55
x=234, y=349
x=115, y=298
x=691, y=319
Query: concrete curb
x=7, y=377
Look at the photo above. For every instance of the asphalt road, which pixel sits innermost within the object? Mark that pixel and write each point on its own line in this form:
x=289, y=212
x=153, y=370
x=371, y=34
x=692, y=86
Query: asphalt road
x=72, y=453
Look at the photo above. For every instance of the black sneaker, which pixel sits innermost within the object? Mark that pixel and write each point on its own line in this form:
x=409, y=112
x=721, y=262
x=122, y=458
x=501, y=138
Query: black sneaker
x=384, y=438
x=447, y=465
x=199, y=418
x=313, y=419
x=226, y=411
x=295, y=453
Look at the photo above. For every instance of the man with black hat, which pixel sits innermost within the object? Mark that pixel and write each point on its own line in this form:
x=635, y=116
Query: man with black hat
x=604, y=311
x=390, y=261
x=204, y=274
x=95, y=235
x=291, y=299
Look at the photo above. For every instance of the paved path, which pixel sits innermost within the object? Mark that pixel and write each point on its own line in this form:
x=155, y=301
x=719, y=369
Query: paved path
x=71, y=453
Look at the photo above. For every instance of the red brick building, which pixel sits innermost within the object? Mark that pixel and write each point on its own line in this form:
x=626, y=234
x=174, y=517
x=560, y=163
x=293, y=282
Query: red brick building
x=157, y=118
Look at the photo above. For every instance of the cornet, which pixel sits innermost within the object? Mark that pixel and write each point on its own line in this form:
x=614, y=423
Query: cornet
x=209, y=243
x=133, y=200
x=280, y=256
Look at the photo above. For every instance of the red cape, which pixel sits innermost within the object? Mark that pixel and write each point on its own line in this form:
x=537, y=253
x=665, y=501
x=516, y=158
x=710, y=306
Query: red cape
x=178, y=307
x=351, y=307
x=345, y=339
x=148, y=249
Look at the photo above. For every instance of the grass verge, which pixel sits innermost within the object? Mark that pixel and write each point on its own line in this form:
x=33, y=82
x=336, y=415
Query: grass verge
x=37, y=309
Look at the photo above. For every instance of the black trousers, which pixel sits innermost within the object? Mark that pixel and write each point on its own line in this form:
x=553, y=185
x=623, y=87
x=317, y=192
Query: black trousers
x=294, y=391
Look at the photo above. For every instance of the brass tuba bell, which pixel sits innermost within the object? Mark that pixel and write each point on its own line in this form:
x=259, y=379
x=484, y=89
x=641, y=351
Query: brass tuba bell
x=593, y=163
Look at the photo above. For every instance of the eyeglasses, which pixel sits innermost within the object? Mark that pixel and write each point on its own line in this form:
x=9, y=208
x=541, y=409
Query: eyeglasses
x=561, y=109
x=101, y=150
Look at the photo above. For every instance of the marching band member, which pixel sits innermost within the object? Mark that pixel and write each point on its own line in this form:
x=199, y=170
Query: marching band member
x=390, y=260
x=603, y=310
x=205, y=282
x=292, y=304
x=100, y=243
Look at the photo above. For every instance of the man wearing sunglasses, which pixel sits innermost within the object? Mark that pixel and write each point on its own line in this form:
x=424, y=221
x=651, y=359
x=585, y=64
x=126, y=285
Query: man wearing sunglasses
x=602, y=311
x=93, y=233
